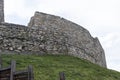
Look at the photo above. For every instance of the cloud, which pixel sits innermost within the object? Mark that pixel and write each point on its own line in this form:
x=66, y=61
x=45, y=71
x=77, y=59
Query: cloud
x=111, y=39
x=111, y=42
x=83, y=10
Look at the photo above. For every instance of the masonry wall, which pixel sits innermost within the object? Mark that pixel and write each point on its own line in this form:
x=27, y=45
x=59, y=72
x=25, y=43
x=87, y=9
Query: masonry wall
x=78, y=40
x=1, y=10
x=48, y=34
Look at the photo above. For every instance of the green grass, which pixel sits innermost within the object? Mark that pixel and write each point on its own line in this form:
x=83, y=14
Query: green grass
x=48, y=67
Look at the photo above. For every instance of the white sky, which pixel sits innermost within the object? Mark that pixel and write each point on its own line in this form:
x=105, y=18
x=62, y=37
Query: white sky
x=100, y=17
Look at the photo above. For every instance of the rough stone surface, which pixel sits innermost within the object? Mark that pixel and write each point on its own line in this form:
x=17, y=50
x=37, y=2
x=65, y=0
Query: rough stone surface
x=1, y=10
x=51, y=40
x=69, y=38
x=49, y=34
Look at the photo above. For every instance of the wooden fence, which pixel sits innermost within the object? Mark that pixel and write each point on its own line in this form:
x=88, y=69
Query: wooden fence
x=10, y=73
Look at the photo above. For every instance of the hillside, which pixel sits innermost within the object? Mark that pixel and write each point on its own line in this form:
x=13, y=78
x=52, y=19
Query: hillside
x=48, y=67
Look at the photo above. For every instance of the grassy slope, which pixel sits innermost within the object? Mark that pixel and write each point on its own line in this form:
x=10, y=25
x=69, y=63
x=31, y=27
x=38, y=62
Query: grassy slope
x=48, y=67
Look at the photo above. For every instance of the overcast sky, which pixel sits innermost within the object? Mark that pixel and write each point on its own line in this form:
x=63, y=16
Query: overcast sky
x=100, y=17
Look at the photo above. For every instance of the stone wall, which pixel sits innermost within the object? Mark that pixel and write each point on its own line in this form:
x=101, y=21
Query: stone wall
x=76, y=40
x=49, y=34
x=1, y=10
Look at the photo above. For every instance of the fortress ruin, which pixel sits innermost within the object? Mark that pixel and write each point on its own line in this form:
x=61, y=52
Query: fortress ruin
x=49, y=34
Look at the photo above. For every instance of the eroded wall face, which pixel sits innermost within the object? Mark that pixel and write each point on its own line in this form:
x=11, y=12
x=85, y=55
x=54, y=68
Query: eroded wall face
x=79, y=42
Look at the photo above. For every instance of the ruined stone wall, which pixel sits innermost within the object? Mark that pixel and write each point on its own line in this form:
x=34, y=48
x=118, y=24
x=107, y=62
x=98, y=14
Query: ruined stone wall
x=49, y=34
x=78, y=40
x=1, y=10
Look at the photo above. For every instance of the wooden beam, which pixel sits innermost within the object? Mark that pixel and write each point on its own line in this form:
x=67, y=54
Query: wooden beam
x=62, y=76
x=0, y=61
x=30, y=73
x=13, y=67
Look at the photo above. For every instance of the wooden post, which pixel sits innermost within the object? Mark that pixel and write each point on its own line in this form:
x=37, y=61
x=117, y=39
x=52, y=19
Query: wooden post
x=13, y=66
x=0, y=62
x=62, y=76
x=30, y=73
